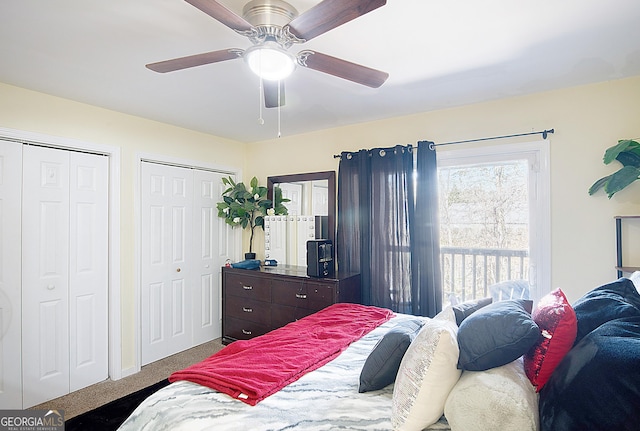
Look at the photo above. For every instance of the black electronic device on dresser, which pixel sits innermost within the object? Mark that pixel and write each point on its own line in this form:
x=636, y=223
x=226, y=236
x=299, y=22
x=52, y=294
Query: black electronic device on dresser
x=256, y=301
x=320, y=258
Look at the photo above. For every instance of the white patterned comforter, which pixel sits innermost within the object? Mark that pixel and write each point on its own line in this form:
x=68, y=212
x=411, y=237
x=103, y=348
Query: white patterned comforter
x=324, y=399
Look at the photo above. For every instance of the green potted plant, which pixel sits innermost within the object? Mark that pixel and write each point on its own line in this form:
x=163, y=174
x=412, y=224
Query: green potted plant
x=246, y=207
x=627, y=152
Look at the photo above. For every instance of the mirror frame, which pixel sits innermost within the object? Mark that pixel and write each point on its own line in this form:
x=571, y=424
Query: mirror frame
x=330, y=176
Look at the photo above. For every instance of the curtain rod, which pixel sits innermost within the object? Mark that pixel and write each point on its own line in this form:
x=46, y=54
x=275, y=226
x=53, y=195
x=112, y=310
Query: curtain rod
x=432, y=146
x=544, y=134
x=409, y=147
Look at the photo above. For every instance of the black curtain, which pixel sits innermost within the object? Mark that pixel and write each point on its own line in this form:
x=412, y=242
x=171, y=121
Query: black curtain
x=388, y=227
x=427, y=274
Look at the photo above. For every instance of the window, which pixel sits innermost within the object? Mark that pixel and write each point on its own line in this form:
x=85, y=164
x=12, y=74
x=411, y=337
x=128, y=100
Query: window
x=494, y=221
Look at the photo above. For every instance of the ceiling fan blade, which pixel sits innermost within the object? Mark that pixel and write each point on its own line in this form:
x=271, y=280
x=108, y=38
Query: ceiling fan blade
x=195, y=60
x=271, y=97
x=222, y=14
x=342, y=68
x=330, y=14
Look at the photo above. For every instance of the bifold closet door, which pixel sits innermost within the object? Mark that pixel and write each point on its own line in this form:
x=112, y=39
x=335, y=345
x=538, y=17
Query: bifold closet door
x=88, y=270
x=45, y=274
x=10, y=275
x=167, y=260
x=184, y=246
x=213, y=242
x=64, y=272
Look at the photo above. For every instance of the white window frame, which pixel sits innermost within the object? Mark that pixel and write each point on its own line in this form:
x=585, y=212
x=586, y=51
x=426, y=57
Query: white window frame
x=538, y=154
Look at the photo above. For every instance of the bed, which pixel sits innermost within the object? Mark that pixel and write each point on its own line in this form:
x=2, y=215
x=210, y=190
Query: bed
x=324, y=399
x=477, y=365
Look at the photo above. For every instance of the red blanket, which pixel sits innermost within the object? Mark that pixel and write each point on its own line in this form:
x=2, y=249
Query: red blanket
x=254, y=369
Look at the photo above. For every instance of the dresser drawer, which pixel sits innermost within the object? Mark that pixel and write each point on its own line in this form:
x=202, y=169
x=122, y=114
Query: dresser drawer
x=247, y=286
x=283, y=314
x=247, y=309
x=239, y=329
x=292, y=293
x=320, y=295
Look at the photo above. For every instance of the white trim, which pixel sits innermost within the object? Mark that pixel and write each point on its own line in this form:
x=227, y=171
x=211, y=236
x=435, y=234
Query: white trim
x=115, y=318
x=137, y=214
x=538, y=154
x=130, y=371
x=488, y=153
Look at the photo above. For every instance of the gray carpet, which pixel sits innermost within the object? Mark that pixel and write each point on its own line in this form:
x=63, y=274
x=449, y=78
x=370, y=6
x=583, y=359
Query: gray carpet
x=109, y=390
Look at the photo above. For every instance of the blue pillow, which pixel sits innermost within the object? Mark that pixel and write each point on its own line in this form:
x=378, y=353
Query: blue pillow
x=605, y=303
x=496, y=335
x=247, y=264
x=597, y=384
x=382, y=364
x=466, y=309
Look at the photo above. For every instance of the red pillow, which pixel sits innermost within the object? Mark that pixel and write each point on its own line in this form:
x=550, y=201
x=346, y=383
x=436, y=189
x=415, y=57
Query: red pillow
x=558, y=326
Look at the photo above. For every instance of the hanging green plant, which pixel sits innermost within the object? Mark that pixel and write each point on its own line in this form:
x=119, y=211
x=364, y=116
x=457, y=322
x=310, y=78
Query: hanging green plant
x=246, y=207
x=627, y=152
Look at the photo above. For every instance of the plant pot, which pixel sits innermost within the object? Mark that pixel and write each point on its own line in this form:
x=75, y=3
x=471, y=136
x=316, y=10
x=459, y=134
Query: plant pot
x=248, y=256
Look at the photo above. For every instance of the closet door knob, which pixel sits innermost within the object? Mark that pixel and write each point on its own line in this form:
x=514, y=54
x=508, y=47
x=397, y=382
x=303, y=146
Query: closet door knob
x=51, y=287
x=178, y=270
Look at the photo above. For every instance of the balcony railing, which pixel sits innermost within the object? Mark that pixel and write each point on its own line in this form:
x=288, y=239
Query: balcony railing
x=467, y=273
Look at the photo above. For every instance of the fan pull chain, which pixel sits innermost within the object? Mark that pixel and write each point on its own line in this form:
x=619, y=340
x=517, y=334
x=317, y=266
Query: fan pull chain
x=279, y=104
x=260, y=103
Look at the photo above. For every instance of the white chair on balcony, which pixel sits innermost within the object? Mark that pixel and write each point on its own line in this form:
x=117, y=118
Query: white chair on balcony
x=510, y=289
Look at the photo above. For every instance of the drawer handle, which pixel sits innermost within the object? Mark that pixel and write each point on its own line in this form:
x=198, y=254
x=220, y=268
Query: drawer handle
x=247, y=287
x=245, y=332
x=301, y=296
x=247, y=309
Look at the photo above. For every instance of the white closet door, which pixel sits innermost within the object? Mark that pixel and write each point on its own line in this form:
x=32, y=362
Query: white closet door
x=45, y=274
x=88, y=270
x=212, y=235
x=10, y=275
x=167, y=261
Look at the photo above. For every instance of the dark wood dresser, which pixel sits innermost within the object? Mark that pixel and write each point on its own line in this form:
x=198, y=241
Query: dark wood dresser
x=256, y=301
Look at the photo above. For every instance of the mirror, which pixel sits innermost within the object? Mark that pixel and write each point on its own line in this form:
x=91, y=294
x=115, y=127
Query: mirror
x=310, y=194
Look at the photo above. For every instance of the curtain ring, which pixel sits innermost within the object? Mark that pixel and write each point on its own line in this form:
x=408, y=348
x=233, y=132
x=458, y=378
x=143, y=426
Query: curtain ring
x=349, y=156
x=382, y=153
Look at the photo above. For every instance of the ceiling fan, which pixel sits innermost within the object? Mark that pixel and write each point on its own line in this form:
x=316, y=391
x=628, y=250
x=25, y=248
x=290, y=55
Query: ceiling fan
x=273, y=26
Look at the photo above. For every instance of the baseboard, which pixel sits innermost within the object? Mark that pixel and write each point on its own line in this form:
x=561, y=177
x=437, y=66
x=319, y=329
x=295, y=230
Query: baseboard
x=129, y=372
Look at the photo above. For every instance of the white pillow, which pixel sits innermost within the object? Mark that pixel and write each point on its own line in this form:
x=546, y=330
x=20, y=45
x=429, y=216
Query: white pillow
x=447, y=314
x=635, y=278
x=500, y=398
x=427, y=374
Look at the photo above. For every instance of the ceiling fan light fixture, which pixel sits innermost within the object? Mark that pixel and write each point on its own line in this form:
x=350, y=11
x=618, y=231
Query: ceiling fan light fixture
x=269, y=61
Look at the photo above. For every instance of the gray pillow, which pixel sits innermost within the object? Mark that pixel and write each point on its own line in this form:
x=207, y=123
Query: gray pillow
x=382, y=364
x=496, y=335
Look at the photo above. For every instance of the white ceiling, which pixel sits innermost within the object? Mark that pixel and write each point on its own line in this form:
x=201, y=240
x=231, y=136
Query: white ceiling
x=438, y=54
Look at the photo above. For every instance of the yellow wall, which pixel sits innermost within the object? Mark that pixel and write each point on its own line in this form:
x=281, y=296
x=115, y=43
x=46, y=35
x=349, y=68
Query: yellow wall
x=39, y=113
x=587, y=120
